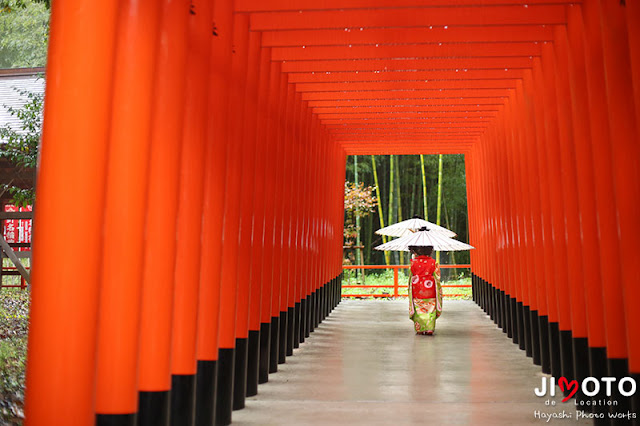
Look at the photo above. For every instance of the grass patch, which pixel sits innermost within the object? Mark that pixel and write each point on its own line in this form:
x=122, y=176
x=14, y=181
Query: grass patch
x=14, y=326
x=384, y=277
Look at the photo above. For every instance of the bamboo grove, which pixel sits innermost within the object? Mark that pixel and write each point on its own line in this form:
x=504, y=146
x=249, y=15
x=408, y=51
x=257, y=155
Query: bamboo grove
x=401, y=182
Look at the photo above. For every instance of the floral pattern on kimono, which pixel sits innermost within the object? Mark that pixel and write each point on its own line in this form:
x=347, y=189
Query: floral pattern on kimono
x=424, y=311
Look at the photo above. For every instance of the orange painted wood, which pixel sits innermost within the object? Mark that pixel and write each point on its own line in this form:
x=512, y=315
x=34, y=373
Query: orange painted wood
x=534, y=184
x=400, y=111
x=191, y=195
x=571, y=187
x=359, y=122
x=164, y=164
x=245, y=279
x=297, y=5
x=125, y=209
x=354, y=130
x=556, y=189
x=536, y=81
x=625, y=138
x=408, y=94
x=64, y=309
x=382, y=36
x=592, y=272
x=230, y=286
x=259, y=193
x=404, y=103
x=608, y=248
x=405, y=85
x=373, y=76
x=440, y=50
x=407, y=64
x=269, y=216
x=208, y=318
x=410, y=17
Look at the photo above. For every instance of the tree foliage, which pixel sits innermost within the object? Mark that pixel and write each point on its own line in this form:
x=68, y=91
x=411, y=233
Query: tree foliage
x=21, y=145
x=358, y=201
x=24, y=32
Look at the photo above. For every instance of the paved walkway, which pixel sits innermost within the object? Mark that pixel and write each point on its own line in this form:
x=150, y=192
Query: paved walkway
x=365, y=365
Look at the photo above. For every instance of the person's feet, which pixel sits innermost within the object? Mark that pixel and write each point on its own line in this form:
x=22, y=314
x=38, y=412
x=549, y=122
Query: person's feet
x=426, y=333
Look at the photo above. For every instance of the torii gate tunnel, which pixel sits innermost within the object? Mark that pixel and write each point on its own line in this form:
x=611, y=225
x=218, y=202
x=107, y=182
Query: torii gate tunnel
x=203, y=144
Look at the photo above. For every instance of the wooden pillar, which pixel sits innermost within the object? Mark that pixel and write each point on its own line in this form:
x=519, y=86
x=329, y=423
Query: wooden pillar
x=246, y=168
x=571, y=188
x=217, y=51
x=266, y=332
x=160, y=245
x=64, y=309
x=624, y=137
x=231, y=222
x=190, y=208
x=257, y=247
x=582, y=139
x=283, y=221
x=559, y=283
x=125, y=211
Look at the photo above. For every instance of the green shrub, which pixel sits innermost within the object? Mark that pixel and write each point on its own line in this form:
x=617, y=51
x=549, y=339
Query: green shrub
x=14, y=326
x=385, y=277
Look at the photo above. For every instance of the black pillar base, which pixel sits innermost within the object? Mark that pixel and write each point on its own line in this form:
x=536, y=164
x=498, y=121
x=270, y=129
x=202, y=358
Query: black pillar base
x=502, y=317
x=554, y=347
x=282, y=338
x=526, y=319
x=635, y=400
x=206, y=392
x=303, y=320
x=566, y=354
x=580, y=349
x=520, y=319
x=253, y=362
x=224, y=392
x=116, y=419
x=492, y=303
x=535, y=336
x=273, y=345
x=545, y=355
x=316, y=309
x=183, y=399
x=240, y=374
x=618, y=368
x=153, y=408
x=263, y=358
x=507, y=316
x=290, y=330
x=598, y=368
x=311, y=312
x=513, y=311
x=297, y=311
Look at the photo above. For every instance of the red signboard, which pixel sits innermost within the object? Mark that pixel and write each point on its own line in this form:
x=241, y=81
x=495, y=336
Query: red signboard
x=17, y=230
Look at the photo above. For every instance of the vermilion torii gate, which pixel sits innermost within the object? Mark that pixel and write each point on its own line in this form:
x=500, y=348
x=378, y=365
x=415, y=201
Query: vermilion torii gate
x=203, y=145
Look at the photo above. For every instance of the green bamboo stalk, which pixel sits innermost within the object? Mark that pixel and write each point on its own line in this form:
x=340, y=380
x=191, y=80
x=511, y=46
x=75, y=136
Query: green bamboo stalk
x=380, y=212
x=439, y=207
x=391, y=191
x=355, y=172
x=453, y=253
x=399, y=191
x=424, y=187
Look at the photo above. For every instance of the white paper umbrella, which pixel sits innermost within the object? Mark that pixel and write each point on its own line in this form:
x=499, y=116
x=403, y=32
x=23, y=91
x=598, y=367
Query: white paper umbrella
x=409, y=226
x=438, y=241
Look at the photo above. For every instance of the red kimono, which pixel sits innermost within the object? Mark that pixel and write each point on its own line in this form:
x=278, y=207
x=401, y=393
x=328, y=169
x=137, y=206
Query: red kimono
x=423, y=284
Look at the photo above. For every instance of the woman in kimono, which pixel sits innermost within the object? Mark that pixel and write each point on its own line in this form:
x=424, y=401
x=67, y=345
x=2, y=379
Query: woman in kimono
x=425, y=291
